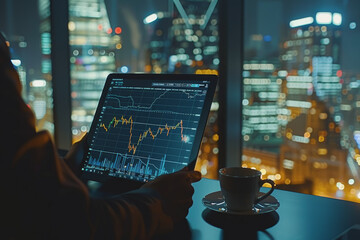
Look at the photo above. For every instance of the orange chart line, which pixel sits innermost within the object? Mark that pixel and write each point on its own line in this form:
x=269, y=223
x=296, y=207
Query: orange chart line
x=132, y=147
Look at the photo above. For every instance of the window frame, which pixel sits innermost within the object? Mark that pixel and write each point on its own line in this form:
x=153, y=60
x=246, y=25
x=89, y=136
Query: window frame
x=60, y=62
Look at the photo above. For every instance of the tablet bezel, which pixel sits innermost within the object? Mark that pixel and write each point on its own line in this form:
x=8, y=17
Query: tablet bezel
x=133, y=183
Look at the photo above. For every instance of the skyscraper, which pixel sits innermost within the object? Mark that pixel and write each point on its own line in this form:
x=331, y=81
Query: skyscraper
x=185, y=40
x=40, y=90
x=312, y=155
x=92, y=43
x=263, y=106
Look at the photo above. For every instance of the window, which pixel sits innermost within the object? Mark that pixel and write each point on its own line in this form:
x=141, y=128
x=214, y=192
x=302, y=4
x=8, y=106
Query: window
x=300, y=105
x=141, y=36
x=300, y=77
x=30, y=48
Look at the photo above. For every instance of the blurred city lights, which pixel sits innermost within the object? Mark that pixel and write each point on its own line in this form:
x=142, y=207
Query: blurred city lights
x=38, y=83
x=323, y=17
x=337, y=19
x=151, y=18
x=352, y=25
x=214, y=106
x=16, y=62
x=301, y=22
x=340, y=186
x=118, y=30
x=71, y=26
x=267, y=38
x=118, y=46
x=124, y=69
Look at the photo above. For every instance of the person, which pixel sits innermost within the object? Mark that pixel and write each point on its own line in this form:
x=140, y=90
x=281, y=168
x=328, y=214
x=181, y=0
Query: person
x=42, y=196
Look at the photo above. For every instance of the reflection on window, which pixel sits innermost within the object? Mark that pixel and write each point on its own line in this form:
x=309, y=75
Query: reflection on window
x=300, y=111
x=138, y=36
x=30, y=48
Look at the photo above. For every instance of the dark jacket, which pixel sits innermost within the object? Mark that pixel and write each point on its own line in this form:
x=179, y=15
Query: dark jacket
x=42, y=198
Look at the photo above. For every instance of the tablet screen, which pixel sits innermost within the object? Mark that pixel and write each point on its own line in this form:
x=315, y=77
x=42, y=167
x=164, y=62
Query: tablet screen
x=146, y=127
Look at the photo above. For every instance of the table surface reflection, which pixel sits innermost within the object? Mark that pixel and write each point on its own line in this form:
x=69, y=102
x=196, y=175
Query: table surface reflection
x=299, y=216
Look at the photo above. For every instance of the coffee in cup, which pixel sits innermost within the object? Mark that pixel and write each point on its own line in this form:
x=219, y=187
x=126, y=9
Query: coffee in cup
x=240, y=187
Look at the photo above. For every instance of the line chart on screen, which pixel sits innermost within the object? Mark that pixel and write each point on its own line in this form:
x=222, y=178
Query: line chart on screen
x=145, y=131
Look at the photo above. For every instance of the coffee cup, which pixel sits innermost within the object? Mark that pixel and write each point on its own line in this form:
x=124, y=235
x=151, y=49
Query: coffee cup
x=240, y=187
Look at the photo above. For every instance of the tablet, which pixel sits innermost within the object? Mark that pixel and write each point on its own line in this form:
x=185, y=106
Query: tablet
x=147, y=125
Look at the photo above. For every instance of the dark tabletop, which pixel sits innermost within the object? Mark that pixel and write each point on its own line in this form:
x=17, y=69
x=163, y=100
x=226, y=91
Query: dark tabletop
x=299, y=216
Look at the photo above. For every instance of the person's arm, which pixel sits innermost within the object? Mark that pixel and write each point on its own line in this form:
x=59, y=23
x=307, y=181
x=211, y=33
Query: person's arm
x=75, y=155
x=56, y=202
x=42, y=198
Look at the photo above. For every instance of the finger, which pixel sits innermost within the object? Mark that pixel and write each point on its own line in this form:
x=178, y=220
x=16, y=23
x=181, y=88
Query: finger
x=184, y=205
x=189, y=176
x=194, y=176
x=186, y=190
x=181, y=211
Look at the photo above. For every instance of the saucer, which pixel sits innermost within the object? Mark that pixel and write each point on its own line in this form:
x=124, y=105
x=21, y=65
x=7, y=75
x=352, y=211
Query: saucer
x=215, y=201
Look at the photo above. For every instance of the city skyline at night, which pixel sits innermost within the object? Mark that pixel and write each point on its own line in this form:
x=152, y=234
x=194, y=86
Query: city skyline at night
x=317, y=153
x=301, y=110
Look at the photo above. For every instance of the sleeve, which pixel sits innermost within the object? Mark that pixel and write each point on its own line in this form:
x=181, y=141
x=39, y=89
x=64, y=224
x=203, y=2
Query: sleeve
x=50, y=202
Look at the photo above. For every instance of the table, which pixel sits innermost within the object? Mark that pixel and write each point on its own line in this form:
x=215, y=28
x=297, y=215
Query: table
x=300, y=216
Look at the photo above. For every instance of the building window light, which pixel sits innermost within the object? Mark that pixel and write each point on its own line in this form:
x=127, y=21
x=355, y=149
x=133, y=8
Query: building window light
x=151, y=18
x=38, y=83
x=301, y=22
x=337, y=19
x=323, y=17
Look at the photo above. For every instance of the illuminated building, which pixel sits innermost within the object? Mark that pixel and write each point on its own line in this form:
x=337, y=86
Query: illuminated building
x=40, y=90
x=264, y=116
x=350, y=110
x=194, y=49
x=314, y=100
x=263, y=106
x=185, y=40
x=159, y=45
x=92, y=55
x=23, y=77
x=312, y=157
x=26, y=62
x=195, y=38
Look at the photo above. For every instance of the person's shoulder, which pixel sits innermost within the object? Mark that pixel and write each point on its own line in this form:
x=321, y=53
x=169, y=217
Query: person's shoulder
x=40, y=139
x=42, y=142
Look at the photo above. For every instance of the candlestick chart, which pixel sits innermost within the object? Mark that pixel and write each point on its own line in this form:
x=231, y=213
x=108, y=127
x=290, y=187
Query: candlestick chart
x=144, y=131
